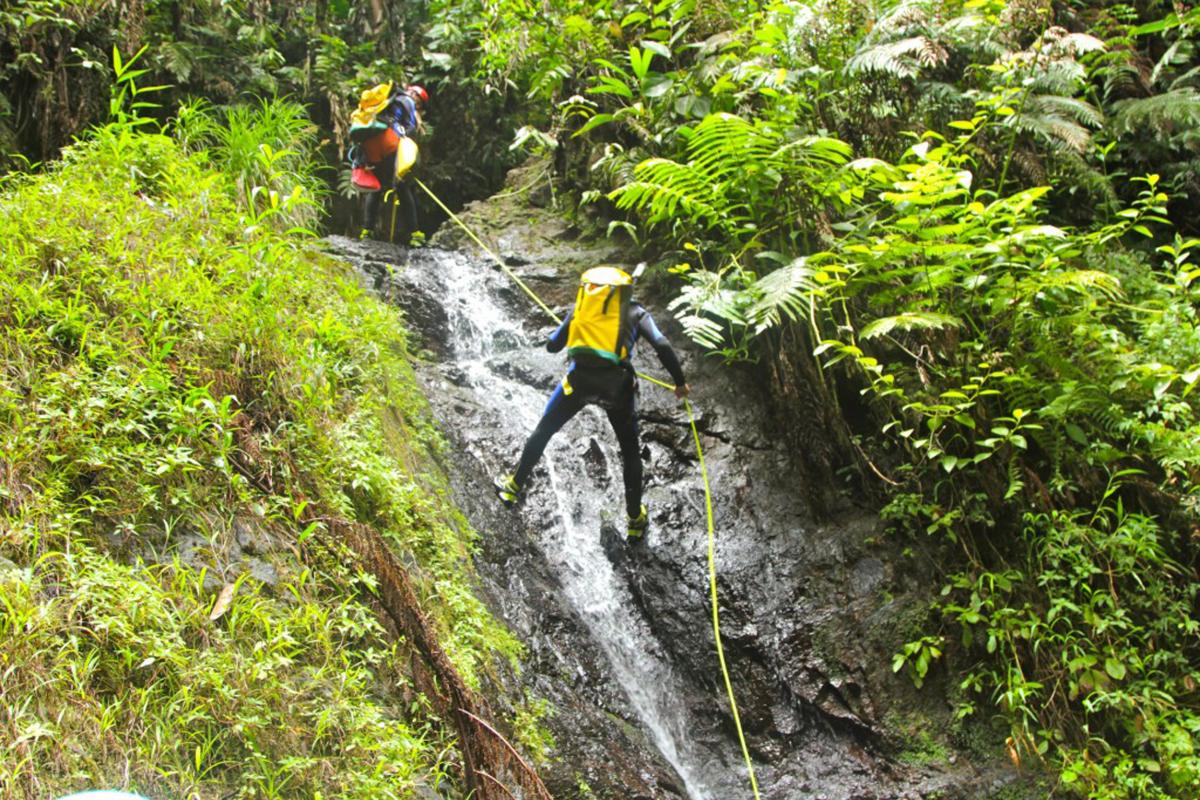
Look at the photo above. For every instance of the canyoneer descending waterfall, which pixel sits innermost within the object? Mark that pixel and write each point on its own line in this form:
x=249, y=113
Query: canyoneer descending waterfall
x=600, y=334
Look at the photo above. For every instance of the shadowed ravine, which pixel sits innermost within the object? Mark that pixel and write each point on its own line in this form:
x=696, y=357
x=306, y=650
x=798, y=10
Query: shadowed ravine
x=619, y=635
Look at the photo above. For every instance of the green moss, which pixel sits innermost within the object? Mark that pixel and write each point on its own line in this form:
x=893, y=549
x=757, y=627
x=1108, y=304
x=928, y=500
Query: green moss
x=530, y=729
x=920, y=746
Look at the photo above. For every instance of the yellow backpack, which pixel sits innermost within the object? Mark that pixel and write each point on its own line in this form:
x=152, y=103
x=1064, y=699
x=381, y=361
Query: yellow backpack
x=364, y=120
x=600, y=317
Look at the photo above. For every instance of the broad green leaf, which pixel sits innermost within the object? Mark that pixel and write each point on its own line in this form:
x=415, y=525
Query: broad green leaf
x=658, y=86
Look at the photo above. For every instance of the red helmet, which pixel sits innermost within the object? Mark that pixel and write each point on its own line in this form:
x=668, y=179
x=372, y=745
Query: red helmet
x=417, y=92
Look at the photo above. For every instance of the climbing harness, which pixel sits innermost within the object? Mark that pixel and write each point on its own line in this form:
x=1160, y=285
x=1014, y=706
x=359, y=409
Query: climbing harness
x=708, y=505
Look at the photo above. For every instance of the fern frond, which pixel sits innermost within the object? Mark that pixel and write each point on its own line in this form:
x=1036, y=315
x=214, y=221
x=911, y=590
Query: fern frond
x=932, y=54
x=1081, y=111
x=1122, y=80
x=621, y=168
x=1059, y=77
x=1162, y=113
x=904, y=18
x=785, y=291
x=1053, y=130
x=666, y=187
x=664, y=201
x=725, y=144
x=1087, y=177
x=947, y=95
x=966, y=26
x=1186, y=78
x=1032, y=165
x=821, y=151
x=899, y=59
x=702, y=330
x=1081, y=43
x=182, y=58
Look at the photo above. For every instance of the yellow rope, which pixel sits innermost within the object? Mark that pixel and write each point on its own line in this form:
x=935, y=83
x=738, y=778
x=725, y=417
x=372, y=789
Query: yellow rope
x=708, y=504
x=712, y=586
x=488, y=250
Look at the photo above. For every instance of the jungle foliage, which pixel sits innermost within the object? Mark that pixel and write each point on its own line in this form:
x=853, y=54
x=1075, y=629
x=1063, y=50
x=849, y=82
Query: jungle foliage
x=196, y=405
x=56, y=71
x=979, y=216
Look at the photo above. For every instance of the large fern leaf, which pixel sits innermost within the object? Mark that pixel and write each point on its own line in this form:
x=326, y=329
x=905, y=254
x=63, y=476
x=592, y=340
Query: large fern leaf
x=732, y=161
x=1041, y=118
x=786, y=291
x=904, y=18
x=666, y=188
x=899, y=59
x=1162, y=113
x=725, y=144
x=815, y=151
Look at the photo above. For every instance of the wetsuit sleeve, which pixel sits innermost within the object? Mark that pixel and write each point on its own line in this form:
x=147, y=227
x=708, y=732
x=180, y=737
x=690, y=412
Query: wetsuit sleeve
x=666, y=353
x=558, y=339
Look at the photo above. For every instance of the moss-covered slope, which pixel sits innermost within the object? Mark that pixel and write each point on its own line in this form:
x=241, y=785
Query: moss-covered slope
x=192, y=406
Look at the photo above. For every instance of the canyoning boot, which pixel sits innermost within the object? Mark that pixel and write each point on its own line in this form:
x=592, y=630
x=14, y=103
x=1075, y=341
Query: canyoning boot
x=636, y=526
x=507, y=490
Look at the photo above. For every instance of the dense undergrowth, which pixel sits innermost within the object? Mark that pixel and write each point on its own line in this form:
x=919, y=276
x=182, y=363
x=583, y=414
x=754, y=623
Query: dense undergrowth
x=55, y=74
x=189, y=398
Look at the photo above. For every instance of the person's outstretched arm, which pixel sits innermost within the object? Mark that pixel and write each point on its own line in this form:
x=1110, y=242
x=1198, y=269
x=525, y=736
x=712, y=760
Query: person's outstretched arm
x=666, y=353
x=558, y=339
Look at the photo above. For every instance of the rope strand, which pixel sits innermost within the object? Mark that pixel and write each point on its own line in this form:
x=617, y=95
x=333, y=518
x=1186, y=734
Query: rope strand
x=712, y=586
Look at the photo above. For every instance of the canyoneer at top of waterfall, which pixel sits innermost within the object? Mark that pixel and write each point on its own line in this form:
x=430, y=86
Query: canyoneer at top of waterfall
x=599, y=334
x=383, y=151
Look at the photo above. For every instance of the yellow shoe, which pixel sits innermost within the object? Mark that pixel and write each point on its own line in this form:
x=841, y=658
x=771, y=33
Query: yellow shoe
x=637, y=525
x=507, y=490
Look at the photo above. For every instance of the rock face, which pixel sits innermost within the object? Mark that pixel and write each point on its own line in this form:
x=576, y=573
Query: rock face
x=620, y=635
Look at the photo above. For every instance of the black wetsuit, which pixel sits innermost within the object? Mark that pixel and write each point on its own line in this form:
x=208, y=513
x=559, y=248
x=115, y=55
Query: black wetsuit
x=611, y=386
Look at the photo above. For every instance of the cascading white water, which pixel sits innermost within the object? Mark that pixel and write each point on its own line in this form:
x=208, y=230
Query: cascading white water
x=483, y=338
